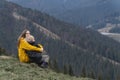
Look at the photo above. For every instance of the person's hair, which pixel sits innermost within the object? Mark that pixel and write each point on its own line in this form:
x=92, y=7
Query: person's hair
x=23, y=34
x=30, y=38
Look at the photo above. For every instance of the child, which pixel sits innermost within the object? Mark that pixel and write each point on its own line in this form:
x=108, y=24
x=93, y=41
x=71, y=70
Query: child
x=40, y=59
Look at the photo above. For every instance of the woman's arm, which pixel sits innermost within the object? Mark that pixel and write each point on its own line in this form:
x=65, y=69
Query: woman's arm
x=25, y=45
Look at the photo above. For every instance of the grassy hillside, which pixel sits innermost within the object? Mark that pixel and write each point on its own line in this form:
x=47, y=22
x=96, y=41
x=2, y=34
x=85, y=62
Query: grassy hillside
x=12, y=69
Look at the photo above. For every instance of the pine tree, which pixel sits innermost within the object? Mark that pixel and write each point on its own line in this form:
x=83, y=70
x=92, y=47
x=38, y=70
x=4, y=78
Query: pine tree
x=65, y=69
x=83, y=73
x=55, y=65
x=71, y=71
x=100, y=77
x=92, y=75
x=2, y=51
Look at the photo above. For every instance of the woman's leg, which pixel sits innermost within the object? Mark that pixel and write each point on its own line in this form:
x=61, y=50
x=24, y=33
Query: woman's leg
x=45, y=61
x=34, y=57
x=40, y=60
x=45, y=58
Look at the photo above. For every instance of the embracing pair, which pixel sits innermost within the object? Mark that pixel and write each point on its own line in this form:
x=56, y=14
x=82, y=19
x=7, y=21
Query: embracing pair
x=30, y=51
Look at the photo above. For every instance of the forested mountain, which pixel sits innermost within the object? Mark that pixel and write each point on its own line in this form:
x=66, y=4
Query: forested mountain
x=95, y=14
x=73, y=50
x=80, y=12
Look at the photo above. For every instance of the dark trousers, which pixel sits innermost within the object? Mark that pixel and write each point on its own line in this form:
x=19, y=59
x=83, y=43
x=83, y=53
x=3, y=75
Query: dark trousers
x=35, y=57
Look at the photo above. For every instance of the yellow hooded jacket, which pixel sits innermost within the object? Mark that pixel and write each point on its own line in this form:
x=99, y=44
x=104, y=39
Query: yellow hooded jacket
x=24, y=45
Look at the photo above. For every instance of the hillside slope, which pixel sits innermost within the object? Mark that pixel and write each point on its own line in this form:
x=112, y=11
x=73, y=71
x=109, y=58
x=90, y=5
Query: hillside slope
x=12, y=69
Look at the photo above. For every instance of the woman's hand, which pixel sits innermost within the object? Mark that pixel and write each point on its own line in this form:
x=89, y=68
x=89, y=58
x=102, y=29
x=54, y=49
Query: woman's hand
x=40, y=45
x=42, y=49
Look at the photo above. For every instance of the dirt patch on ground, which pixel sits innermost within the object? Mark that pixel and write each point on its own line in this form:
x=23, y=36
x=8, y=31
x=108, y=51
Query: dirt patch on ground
x=5, y=57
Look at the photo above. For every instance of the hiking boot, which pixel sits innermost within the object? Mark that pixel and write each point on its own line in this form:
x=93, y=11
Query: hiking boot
x=44, y=65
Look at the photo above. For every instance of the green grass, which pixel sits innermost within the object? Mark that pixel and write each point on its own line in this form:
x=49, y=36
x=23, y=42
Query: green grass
x=12, y=69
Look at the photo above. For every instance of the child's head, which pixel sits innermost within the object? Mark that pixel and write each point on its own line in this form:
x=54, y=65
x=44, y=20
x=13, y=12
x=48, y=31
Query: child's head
x=30, y=38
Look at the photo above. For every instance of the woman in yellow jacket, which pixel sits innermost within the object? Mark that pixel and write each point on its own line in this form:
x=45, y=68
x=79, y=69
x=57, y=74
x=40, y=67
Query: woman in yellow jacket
x=23, y=45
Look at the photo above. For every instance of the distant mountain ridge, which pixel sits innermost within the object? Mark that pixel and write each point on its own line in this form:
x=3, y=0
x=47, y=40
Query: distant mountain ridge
x=79, y=12
x=73, y=50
